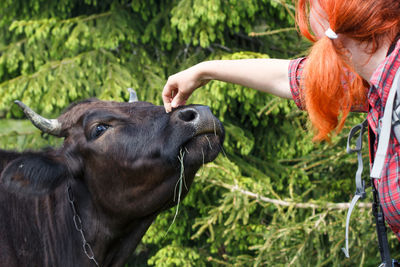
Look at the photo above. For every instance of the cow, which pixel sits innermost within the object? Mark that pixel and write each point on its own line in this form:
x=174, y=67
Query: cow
x=90, y=201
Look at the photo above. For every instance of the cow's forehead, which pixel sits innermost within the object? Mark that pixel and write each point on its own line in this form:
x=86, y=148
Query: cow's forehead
x=73, y=113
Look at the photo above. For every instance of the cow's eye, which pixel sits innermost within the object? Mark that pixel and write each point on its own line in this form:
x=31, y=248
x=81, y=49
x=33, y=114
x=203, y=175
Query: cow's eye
x=99, y=130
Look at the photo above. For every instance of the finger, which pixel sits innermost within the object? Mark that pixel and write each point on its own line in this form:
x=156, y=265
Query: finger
x=167, y=97
x=178, y=100
x=167, y=107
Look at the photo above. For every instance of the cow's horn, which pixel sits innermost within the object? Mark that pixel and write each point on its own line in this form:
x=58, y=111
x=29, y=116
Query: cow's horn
x=132, y=95
x=50, y=126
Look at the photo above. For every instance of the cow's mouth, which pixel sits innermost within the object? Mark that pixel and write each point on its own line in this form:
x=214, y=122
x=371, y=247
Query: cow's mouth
x=204, y=146
x=200, y=134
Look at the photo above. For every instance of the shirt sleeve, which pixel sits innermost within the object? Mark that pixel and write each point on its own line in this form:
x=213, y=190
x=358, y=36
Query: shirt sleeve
x=296, y=67
x=295, y=71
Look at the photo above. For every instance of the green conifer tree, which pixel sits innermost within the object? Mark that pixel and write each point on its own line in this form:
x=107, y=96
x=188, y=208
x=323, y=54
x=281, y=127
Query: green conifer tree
x=273, y=197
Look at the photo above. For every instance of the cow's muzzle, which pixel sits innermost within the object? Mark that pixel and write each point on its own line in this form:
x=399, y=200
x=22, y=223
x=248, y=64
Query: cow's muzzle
x=198, y=118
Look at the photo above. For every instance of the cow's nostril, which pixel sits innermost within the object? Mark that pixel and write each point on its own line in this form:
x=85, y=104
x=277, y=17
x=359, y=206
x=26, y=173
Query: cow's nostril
x=188, y=115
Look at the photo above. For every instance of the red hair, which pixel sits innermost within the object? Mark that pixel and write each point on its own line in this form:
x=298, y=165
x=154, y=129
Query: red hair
x=328, y=101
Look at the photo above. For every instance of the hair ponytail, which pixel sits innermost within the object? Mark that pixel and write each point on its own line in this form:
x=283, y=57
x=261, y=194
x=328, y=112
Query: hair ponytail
x=328, y=99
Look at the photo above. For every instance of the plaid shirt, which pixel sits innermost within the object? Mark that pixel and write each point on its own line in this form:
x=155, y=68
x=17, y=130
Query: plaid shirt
x=381, y=81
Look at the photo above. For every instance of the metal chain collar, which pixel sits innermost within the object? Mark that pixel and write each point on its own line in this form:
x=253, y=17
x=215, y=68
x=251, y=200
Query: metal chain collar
x=78, y=226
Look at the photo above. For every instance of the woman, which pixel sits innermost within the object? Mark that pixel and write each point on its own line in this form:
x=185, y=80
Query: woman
x=351, y=66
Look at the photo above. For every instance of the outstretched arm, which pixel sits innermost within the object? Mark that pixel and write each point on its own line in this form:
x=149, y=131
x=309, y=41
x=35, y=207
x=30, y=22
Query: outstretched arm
x=266, y=75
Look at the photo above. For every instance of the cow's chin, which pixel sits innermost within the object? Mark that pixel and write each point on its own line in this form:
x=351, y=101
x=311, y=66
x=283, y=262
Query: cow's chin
x=195, y=152
x=201, y=149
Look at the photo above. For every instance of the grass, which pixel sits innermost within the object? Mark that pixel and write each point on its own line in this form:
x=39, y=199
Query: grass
x=179, y=183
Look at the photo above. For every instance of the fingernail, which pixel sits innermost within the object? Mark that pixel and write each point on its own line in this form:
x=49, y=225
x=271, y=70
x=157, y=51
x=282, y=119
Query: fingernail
x=175, y=103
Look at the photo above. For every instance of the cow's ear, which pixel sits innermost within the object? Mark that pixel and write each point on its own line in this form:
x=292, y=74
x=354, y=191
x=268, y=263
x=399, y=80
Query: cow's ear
x=33, y=174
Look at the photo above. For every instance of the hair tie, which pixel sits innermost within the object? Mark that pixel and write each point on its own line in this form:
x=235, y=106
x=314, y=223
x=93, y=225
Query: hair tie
x=331, y=34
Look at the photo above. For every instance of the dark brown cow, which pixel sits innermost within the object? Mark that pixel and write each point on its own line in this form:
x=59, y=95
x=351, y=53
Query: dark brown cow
x=118, y=168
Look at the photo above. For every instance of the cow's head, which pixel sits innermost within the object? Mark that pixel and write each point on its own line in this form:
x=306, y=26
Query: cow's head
x=129, y=155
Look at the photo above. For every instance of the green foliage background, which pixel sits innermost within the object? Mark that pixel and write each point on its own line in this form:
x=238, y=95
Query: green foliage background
x=270, y=199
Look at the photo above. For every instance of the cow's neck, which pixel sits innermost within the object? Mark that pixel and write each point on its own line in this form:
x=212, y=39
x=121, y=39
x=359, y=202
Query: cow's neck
x=112, y=239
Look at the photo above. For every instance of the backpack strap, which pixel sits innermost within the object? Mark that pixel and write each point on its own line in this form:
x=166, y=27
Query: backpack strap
x=396, y=114
x=385, y=130
x=383, y=243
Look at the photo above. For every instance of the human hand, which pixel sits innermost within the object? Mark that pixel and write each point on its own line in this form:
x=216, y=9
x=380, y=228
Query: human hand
x=181, y=85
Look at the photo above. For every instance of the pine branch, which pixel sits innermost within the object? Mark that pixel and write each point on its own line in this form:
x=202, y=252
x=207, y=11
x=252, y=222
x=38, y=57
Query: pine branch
x=308, y=205
x=18, y=43
x=286, y=5
x=289, y=8
x=40, y=22
x=254, y=34
x=51, y=65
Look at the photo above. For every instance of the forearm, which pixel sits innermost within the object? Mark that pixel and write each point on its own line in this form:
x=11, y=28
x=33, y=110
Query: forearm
x=267, y=75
